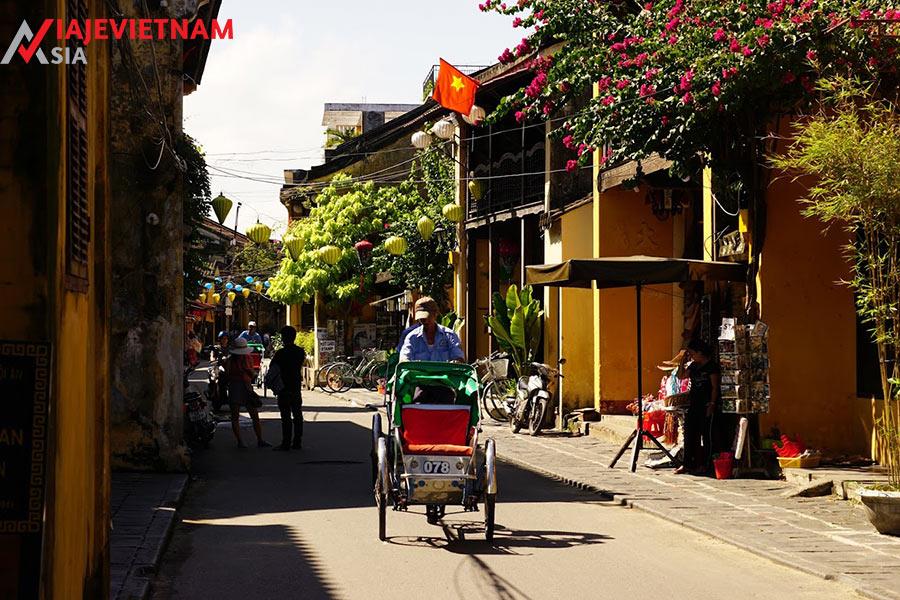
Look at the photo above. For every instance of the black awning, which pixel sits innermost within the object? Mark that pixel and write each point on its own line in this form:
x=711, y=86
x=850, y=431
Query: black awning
x=626, y=271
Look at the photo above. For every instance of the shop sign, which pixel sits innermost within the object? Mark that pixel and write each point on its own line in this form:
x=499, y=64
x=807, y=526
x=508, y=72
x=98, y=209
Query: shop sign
x=25, y=396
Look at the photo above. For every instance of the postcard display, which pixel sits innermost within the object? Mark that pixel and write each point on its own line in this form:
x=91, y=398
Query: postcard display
x=744, y=360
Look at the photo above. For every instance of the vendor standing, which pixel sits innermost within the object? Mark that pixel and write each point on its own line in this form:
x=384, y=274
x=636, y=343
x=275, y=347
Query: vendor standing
x=704, y=396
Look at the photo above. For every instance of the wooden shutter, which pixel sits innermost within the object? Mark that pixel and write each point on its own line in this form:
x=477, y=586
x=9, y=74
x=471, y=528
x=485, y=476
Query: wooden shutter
x=78, y=218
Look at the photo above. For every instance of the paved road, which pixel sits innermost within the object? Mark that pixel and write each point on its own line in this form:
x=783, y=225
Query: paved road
x=264, y=524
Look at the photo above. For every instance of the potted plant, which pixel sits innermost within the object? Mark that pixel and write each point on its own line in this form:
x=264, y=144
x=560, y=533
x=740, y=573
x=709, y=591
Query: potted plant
x=851, y=146
x=516, y=325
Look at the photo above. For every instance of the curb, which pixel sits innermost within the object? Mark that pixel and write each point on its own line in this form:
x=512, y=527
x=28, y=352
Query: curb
x=625, y=500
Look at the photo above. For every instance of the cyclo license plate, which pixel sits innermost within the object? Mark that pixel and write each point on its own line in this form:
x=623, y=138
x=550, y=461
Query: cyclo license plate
x=436, y=467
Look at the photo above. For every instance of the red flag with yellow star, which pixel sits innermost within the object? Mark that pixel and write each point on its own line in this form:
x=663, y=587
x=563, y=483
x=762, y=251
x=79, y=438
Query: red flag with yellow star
x=454, y=90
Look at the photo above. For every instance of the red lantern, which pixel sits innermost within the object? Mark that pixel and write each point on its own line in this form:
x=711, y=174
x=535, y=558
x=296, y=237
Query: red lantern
x=363, y=251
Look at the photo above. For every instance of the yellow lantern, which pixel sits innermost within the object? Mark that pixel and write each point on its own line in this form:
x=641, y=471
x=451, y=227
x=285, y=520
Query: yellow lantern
x=216, y=298
x=425, y=227
x=245, y=292
x=259, y=233
x=396, y=245
x=221, y=206
x=201, y=298
x=231, y=296
x=452, y=212
x=258, y=286
x=329, y=254
x=476, y=189
x=294, y=246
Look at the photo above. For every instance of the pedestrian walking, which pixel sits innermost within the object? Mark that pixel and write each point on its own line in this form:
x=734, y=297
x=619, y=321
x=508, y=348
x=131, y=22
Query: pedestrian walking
x=239, y=372
x=704, y=394
x=286, y=371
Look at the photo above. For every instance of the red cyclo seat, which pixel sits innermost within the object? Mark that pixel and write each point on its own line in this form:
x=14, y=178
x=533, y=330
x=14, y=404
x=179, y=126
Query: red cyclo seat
x=436, y=429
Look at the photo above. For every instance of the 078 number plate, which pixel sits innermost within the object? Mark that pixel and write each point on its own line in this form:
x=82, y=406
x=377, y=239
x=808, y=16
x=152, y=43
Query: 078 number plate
x=436, y=466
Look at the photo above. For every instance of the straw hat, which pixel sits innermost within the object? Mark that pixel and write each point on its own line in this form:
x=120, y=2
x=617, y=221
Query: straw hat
x=240, y=347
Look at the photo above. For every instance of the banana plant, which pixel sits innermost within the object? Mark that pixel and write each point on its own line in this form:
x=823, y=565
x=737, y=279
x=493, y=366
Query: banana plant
x=453, y=321
x=516, y=325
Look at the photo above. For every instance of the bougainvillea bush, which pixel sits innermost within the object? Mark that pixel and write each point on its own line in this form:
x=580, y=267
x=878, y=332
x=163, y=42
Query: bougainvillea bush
x=694, y=81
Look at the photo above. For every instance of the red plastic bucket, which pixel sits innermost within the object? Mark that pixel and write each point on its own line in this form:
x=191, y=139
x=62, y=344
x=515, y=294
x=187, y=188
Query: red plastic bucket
x=723, y=467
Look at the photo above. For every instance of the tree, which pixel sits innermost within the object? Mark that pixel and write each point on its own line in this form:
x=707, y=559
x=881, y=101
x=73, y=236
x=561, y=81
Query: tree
x=346, y=212
x=196, y=208
x=851, y=147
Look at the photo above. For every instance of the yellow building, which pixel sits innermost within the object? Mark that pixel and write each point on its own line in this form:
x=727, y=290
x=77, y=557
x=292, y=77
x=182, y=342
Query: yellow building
x=53, y=316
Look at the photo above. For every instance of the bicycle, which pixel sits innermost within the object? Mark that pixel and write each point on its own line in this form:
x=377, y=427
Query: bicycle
x=495, y=385
x=364, y=371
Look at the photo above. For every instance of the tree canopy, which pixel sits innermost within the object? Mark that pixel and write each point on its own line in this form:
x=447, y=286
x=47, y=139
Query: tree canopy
x=348, y=211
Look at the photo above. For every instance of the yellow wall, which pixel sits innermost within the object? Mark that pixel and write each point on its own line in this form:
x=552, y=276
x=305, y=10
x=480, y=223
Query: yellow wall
x=578, y=335
x=627, y=227
x=37, y=307
x=812, y=335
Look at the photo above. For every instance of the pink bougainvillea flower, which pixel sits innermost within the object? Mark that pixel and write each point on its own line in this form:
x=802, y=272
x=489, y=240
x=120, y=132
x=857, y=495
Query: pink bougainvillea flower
x=719, y=35
x=734, y=46
x=811, y=55
x=747, y=51
x=520, y=116
x=788, y=77
x=673, y=39
x=569, y=142
x=716, y=88
x=622, y=83
x=762, y=41
x=608, y=100
x=664, y=120
x=571, y=166
x=687, y=98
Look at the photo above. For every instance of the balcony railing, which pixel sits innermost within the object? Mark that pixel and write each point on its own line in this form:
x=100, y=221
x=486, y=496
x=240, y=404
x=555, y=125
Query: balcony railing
x=431, y=79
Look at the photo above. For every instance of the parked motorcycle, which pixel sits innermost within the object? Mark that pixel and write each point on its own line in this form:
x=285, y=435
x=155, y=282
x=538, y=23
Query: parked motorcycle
x=216, y=386
x=199, y=424
x=528, y=408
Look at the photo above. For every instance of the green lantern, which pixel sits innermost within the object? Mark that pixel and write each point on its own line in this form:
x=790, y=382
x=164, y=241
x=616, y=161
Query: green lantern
x=294, y=246
x=396, y=245
x=329, y=254
x=259, y=233
x=476, y=189
x=452, y=212
x=425, y=227
x=221, y=206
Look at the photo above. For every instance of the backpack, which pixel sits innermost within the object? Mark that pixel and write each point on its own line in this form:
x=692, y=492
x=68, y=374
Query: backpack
x=273, y=378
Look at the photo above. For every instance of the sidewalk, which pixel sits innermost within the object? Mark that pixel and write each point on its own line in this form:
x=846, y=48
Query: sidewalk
x=143, y=513
x=823, y=536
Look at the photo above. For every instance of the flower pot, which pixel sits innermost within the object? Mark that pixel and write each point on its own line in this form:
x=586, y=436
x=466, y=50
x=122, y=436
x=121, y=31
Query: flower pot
x=723, y=467
x=883, y=509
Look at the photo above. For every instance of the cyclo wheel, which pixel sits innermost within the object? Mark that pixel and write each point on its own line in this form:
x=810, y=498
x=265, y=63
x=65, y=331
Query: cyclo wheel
x=382, y=484
x=376, y=435
x=435, y=512
x=490, y=489
x=336, y=376
x=493, y=401
x=536, y=416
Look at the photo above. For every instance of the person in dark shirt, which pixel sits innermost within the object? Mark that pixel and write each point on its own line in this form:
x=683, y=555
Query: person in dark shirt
x=704, y=394
x=290, y=360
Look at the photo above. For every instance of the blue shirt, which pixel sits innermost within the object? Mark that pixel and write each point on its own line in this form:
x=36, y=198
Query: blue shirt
x=405, y=333
x=446, y=346
x=254, y=337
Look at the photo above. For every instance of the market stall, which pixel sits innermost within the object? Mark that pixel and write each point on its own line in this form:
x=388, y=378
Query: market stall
x=633, y=271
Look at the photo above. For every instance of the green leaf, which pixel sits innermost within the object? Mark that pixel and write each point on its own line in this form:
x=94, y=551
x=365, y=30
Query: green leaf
x=512, y=298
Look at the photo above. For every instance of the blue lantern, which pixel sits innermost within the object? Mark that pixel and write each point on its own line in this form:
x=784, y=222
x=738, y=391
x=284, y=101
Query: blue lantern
x=238, y=288
x=208, y=286
x=218, y=280
x=248, y=279
x=267, y=284
x=229, y=286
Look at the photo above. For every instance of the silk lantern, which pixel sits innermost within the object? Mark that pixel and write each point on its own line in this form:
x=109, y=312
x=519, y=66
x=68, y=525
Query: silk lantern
x=229, y=286
x=476, y=116
x=259, y=233
x=330, y=255
x=452, y=212
x=294, y=246
x=396, y=245
x=246, y=292
x=258, y=286
x=425, y=227
x=231, y=296
x=216, y=298
x=248, y=279
x=443, y=129
x=421, y=140
x=221, y=206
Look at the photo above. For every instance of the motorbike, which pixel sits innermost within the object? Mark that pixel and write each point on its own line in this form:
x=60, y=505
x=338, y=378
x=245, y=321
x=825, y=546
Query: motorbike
x=528, y=408
x=199, y=424
x=216, y=387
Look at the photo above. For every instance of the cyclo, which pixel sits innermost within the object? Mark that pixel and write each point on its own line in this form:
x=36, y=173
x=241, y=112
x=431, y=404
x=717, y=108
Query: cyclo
x=430, y=454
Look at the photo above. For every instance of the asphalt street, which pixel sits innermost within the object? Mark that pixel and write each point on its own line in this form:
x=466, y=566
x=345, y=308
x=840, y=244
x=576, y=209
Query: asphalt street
x=264, y=524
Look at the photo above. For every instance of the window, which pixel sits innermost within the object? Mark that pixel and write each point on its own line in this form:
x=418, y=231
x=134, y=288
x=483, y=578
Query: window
x=868, y=375
x=78, y=221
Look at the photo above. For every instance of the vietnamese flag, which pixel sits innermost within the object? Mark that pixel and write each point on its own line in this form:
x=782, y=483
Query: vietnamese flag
x=454, y=90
